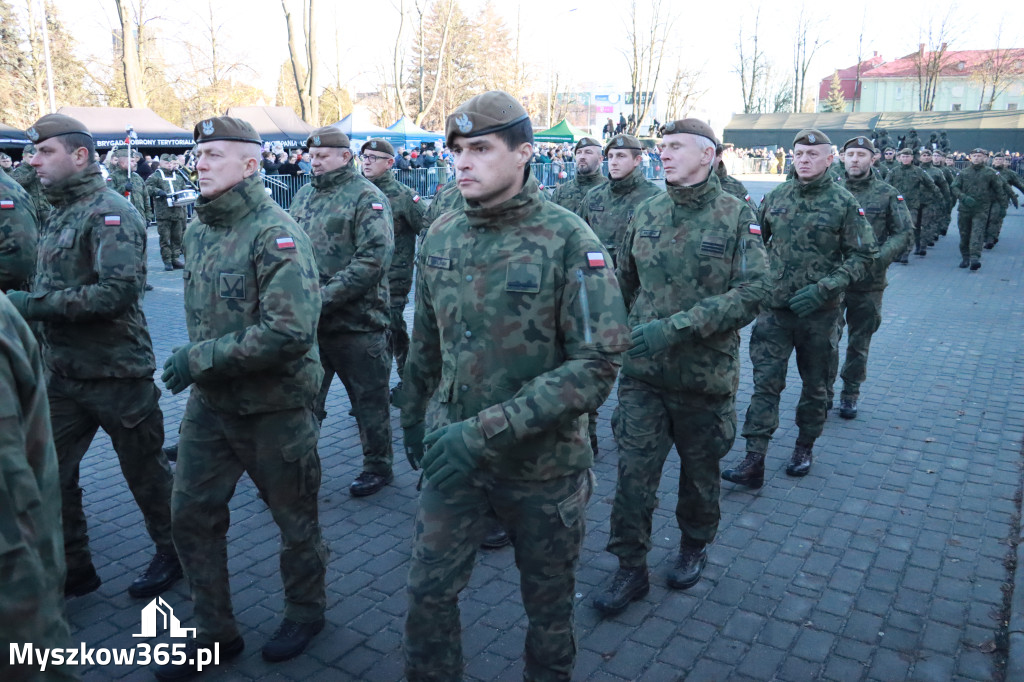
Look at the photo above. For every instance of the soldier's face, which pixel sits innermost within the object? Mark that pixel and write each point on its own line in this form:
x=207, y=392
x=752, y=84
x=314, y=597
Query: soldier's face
x=376, y=164
x=926, y=158
x=222, y=164
x=998, y=163
x=588, y=160
x=977, y=159
x=621, y=163
x=889, y=156
x=167, y=165
x=811, y=160
x=6, y=163
x=906, y=159
x=858, y=162
x=327, y=159
x=54, y=164
x=686, y=161
x=486, y=170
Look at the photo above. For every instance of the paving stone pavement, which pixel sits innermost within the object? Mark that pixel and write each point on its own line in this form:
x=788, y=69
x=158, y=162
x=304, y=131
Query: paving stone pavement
x=887, y=562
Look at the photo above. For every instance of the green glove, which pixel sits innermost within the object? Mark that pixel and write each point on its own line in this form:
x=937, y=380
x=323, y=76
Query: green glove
x=655, y=336
x=448, y=460
x=807, y=300
x=969, y=203
x=177, y=376
x=1016, y=204
x=412, y=436
x=21, y=301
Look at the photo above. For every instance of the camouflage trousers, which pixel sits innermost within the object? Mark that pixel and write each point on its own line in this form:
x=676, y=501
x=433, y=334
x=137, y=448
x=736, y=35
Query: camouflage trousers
x=934, y=220
x=399, y=331
x=278, y=451
x=776, y=334
x=862, y=311
x=170, y=231
x=546, y=521
x=129, y=411
x=995, y=222
x=973, y=226
x=362, y=360
x=702, y=428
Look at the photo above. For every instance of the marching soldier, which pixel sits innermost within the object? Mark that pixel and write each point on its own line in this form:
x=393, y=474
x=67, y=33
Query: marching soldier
x=995, y=222
x=136, y=191
x=934, y=213
x=918, y=189
x=978, y=188
x=588, y=175
x=170, y=219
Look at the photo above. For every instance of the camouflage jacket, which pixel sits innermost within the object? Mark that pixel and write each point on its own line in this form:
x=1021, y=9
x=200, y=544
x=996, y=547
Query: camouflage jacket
x=608, y=208
x=349, y=222
x=448, y=199
x=731, y=185
x=887, y=212
x=936, y=174
x=982, y=184
x=252, y=303
x=139, y=193
x=1011, y=180
x=161, y=182
x=518, y=328
x=569, y=195
x=815, y=233
x=916, y=186
x=694, y=254
x=27, y=177
x=410, y=219
x=950, y=175
x=19, y=235
x=88, y=285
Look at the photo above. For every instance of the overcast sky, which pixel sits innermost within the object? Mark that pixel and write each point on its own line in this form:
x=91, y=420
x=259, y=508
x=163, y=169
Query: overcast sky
x=584, y=40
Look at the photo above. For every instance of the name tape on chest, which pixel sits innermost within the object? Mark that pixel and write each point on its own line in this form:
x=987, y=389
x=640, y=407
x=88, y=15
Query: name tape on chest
x=595, y=259
x=6, y=204
x=650, y=234
x=285, y=243
x=439, y=262
x=754, y=228
x=111, y=220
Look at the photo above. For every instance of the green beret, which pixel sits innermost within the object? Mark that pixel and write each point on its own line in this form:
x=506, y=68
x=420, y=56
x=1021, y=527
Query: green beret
x=890, y=149
x=623, y=141
x=859, y=142
x=225, y=128
x=53, y=125
x=906, y=150
x=810, y=136
x=999, y=155
x=328, y=136
x=29, y=149
x=938, y=152
x=693, y=126
x=378, y=145
x=926, y=151
x=979, y=150
x=120, y=153
x=484, y=114
x=168, y=157
x=586, y=142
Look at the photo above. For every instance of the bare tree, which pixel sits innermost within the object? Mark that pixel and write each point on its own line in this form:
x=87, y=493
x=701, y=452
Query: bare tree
x=804, y=48
x=130, y=56
x=647, y=39
x=428, y=71
x=931, y=58
x=751, y=67
x=686, y=89
x=304, y=62
x=1001, y=68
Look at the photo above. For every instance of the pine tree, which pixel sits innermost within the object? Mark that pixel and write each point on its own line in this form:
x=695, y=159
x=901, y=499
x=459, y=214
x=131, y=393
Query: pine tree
x=836, y=101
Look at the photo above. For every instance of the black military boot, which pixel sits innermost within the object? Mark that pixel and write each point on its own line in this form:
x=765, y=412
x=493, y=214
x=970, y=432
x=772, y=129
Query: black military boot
x=163, y=571
x=368, y=483
x=167, y=266
x=171, y=453
x=593, y=444
x=496, y=538
x=800, y=463
x=989, y=245
x=964, y=263
x=975, y=264
x=182, y=668
x=848, y=408
x=688, y=567
x=81, y=582
x=178, y=264
x=628, y=585
x=290, y=640
x=749, y=472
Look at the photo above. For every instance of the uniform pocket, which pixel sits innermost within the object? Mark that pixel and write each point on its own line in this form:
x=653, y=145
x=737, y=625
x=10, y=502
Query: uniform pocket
x=571, y=509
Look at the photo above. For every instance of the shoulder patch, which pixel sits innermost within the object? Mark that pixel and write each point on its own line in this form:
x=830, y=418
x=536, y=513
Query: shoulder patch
x=755, y=228
x=111, y=220
x=377, y=206
x=416, y=199
x=285, y=243
x=6, y=204
x=595, y=259
x=899, y=197
x=860, y=210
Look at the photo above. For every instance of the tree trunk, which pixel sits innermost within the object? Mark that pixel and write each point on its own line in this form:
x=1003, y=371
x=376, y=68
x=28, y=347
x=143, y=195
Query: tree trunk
x=130, y=58
x=298, y=72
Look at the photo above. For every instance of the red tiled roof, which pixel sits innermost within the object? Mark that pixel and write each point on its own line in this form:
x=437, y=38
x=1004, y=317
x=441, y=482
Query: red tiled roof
x=956, y=63
x=848, y=79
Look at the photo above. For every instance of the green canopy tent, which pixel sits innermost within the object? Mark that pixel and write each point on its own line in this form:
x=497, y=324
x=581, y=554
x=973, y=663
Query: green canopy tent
x=563, y=131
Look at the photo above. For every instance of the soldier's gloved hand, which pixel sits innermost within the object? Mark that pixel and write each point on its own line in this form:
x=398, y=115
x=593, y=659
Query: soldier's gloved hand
x=412, y=437
x=807, y=300
x=657, y=335
x=448, y=459
x=21, y=301
x=1016, y=204
x=177, y=376
x=970, y=203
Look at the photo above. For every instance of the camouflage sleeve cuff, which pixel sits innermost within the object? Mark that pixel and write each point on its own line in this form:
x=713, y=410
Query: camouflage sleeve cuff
x=200, y=358
x=494, y=428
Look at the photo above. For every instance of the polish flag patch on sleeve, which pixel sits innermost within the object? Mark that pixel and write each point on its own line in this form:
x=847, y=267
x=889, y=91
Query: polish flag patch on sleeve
x=110, y=220
x=285, y=243
x=376, y=206
x=755, y=228
x=860, y=210
x=899, y=197
x=595, y=259
x=416, y=199
x=6, y=204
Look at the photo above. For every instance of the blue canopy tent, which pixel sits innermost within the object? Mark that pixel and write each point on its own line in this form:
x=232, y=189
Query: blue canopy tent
x=357, y=126
x=412, y=136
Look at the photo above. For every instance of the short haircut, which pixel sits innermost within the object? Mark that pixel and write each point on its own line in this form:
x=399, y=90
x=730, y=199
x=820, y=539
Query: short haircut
x=517, y=134
x=73, y=141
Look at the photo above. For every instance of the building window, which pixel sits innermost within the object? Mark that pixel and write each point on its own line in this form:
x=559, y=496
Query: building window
x=1012, y=106
x=899, y=92
x=956, y=107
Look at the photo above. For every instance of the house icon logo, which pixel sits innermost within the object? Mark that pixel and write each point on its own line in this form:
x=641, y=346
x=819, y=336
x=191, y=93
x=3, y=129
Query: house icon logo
x=158, y=615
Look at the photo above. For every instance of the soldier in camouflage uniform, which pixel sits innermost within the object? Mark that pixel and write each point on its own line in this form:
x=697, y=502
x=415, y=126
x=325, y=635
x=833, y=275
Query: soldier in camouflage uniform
x=695, y=268
x=136, y=191
x=1011, y=180
x=31, y=543
x=888, y=161
x=349, y=222
x=26, y=176
x=949, y=173
x=935, y=213
x=887, y=212
x=818, y=243
x=978, y=188
x=918, y=189
x=19, y=234
x=731, y=185
x=518, y=329
x=410, y=221
x=6, y=163
x=170, y=219
x=449, y=198
x=252, y=301
x=87, y=292
x=588, y=175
